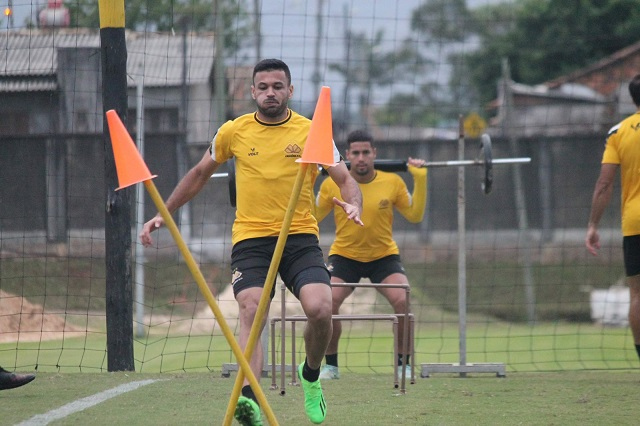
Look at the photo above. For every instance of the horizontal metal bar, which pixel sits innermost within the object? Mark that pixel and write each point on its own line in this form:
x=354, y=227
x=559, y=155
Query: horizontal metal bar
x=400, y=165
x=477, y=162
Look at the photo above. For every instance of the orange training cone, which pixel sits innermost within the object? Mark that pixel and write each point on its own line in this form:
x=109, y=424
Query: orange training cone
x=130, y=166
x=319, y=146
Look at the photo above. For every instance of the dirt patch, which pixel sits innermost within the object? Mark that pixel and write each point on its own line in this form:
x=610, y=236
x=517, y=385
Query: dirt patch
x=21, y=320
x=363, y=301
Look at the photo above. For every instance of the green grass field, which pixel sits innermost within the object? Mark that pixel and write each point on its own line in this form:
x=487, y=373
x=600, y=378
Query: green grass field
x=543, y=347
x=567, y=398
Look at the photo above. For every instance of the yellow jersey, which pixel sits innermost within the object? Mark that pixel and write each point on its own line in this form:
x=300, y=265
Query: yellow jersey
x=374, y=240
x=266, y=171
x=623, y=148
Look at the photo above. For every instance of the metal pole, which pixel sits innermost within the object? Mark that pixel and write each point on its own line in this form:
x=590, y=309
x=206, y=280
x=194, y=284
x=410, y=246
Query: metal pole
x=462, y=256
x=524, y=238
x=140, y=260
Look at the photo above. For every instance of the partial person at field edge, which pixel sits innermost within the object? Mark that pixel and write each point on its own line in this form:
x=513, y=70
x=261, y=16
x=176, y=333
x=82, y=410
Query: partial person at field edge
x=10, y=380
x=370, y=251
x=265, y=145
x=622, y=150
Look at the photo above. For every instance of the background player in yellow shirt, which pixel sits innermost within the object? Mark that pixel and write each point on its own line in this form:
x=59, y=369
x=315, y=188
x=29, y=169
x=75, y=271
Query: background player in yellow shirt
x=370, y=251
x=622, y=149
x=265, y=145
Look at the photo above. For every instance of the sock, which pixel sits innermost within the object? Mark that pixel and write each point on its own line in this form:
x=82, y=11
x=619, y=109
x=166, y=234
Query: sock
x=331, y=359
x=248, y=392
x=401, y=357
x=638, y=350
x=308, y=374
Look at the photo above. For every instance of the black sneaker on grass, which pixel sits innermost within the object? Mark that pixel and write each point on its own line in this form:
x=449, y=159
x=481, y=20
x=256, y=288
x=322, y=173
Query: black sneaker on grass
x=12, y=380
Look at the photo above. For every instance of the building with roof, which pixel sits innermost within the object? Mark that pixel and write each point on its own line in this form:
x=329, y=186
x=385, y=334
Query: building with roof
x=51, y=131
x=51, y=81
x=587, y=101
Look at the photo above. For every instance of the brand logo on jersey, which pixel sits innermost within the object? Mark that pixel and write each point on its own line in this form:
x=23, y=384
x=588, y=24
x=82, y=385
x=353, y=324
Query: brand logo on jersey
x=292, y=150
x=253, y=152
x=384, y=204
x=636, y=127
x=236, y=277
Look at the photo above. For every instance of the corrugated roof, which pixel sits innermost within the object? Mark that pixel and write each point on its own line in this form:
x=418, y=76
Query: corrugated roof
x=33, y=53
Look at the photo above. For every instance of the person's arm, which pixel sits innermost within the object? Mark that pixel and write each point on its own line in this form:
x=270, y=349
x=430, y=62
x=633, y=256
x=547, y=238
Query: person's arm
x=187, y=188
x=324, y=204
x=349, y=191
x=601, y=197
x=414, y=212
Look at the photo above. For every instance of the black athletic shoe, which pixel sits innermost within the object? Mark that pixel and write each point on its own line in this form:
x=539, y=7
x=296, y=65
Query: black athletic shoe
x=12, y=380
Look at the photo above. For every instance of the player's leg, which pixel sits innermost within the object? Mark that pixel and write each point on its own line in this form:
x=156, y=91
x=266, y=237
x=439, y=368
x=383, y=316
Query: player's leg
x=397, y=298
x=634, y=309
x=248, y=300
x=389, y=270
x=342, y=270
x=631, y=252
x=303, y=270
x=338, y=296
x=250, y=261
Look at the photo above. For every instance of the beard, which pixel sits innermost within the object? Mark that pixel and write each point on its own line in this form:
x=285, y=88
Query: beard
x=273, y=110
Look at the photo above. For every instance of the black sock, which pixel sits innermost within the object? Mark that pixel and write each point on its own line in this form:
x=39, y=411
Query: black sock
x=401, y=357
x=638, y=350
x=308, y=374
x=248, y=392
x=331, y=359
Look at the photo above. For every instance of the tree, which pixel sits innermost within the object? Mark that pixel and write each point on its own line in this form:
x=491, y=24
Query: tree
x=167, y=15
x=368, y=66
x=542, y=39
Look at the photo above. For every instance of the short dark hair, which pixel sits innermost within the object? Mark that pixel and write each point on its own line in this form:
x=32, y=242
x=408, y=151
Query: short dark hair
x=271, y=65
x=634, y=89
x=359, y=135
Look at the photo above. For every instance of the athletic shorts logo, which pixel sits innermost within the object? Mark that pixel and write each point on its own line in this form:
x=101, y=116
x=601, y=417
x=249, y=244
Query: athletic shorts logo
x=329, y=267
x=236, y=277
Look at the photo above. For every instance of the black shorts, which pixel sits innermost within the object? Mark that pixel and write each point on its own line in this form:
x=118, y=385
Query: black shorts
x=631, y=250
x=351, y=271
x=302, y=263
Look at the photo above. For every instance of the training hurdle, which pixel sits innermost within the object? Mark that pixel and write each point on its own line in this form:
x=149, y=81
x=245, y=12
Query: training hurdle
x=407, y=344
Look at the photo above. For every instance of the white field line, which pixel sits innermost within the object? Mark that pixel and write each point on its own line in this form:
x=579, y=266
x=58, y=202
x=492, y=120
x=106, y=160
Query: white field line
x=83, y=404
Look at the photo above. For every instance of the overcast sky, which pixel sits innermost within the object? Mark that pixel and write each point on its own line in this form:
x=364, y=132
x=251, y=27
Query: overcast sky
x=289, y=32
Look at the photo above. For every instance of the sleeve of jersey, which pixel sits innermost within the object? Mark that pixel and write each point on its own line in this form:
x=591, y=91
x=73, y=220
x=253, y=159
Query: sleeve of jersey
x=220, y=149
x=324, y=201
x=610, y=155
x=413, y=210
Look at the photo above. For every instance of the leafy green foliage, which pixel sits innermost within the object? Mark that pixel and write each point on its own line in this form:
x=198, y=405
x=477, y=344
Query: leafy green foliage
x=173, y=15
x=544, y=39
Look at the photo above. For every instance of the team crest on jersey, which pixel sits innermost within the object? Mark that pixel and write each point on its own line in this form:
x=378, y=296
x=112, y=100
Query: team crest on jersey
x=236, y=277
x=292, y=150
x=384, y=204
x=253, y=152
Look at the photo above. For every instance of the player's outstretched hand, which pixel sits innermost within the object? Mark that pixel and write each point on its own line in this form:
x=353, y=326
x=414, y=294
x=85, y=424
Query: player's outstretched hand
x=352, y=212
x=592, y=241
x=148, y=228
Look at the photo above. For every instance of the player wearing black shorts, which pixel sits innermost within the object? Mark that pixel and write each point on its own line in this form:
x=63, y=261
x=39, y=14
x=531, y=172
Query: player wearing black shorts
x=622, y=150
x=370, y=251
x=265, y=145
